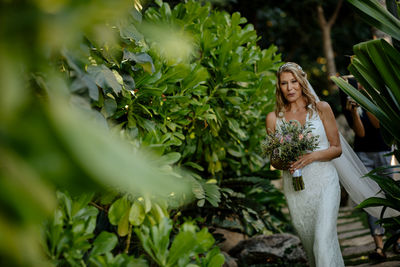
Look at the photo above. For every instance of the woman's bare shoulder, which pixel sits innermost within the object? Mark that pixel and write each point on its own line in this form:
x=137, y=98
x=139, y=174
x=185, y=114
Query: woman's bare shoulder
x=325, y=111
x=271, y=115
x=323, y=107
x=270, y=121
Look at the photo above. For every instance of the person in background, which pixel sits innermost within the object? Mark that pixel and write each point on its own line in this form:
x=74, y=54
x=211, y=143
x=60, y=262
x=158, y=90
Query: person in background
x=371, y=149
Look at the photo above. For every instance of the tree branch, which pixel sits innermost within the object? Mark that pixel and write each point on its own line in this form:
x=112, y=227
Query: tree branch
x=335, y=13
x=321, y=17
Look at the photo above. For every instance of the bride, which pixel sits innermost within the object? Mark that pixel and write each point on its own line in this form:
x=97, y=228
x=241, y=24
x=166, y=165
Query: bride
x=313, y=210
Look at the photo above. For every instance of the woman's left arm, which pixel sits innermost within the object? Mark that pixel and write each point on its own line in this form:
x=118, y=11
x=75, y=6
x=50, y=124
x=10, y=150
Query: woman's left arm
x=332, y=133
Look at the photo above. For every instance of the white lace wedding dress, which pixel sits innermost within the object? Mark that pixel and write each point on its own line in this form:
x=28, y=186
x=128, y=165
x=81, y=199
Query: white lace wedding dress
x=314, y=210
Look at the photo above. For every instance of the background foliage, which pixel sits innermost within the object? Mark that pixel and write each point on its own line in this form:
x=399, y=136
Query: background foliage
x=293, y=27
x=203, y=111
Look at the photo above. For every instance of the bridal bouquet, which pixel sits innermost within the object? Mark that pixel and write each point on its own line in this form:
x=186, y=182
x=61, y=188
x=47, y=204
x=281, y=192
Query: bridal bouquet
x=289, y=141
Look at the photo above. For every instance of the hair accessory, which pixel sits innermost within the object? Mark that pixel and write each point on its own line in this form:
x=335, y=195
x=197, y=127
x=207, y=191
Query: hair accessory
x=288, y=64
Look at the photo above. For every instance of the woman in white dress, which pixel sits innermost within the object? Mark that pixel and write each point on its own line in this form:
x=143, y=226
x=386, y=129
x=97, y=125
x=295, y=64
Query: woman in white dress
x=313, y=210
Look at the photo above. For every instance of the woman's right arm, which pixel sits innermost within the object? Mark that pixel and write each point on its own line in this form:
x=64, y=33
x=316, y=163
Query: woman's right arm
x=357, y=125
x=270, y=122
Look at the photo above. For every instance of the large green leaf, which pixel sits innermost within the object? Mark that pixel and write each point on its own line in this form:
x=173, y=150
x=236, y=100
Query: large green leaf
x=377, y=202
x=374, y=91
x=374, y=14
x=169, y=158
x=383, y=64
x=213, y=194
x=388, y=185
x=197, y=76
x=183, y=245
x=107, y=158
x=370, y=66
x=205, y=240
x=386, y=121
x=104, y=242
x=215, y=258
x=143, y=59
x=104, y=78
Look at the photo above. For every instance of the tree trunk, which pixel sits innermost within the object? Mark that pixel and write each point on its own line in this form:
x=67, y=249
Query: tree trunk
x=328, y=51
x=329, y=54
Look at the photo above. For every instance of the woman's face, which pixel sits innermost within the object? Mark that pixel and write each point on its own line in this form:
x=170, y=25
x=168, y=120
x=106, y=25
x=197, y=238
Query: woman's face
x=290, y=87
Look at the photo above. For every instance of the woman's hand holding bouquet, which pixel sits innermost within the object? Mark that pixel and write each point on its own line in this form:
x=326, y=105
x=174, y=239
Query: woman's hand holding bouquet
x=290, y=141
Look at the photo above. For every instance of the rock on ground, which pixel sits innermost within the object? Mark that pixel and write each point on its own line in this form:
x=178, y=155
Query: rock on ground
x=276, y=248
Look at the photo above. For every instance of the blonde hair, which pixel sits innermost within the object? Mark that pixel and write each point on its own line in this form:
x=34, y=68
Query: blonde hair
x=301, y=77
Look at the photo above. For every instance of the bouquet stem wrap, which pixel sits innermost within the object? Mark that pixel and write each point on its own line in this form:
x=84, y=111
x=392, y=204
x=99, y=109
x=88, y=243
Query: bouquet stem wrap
x=298, y=183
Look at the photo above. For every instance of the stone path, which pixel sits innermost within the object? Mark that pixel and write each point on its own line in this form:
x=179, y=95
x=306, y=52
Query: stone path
x=356, y=242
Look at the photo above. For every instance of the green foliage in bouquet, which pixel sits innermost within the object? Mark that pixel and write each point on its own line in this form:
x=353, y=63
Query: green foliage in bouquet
x=288, y=142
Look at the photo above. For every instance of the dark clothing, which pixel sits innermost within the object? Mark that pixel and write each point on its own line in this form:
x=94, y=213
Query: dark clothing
x=372, y=141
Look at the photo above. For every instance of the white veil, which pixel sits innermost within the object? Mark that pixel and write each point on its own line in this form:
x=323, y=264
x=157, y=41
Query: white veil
x=351, y=170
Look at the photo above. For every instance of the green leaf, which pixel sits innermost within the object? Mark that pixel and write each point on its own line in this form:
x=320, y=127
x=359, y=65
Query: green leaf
x=159, y=2
x=169, y=158
x=205, y=240
x=235, y=127
x=104, y=78
x=374, y=14
x=143, y=59
x=197, y=188
x=213, y=194
x=194, y=165
x=379, y=57
x=234, y=100
x=388, y=185
x=184, y=243
x=201, y=202
x=217, y=261
x=147, y=204
x=376, y=202
x=104, y=242
x=196, y=77
x=373, y=82
x=110, y=107
x=235, y=153
x=159, y=213
x=123, y=224
x=127, y=30
x=66, y=202
x=392, y=240
x=118, y=210
x=137, y=214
